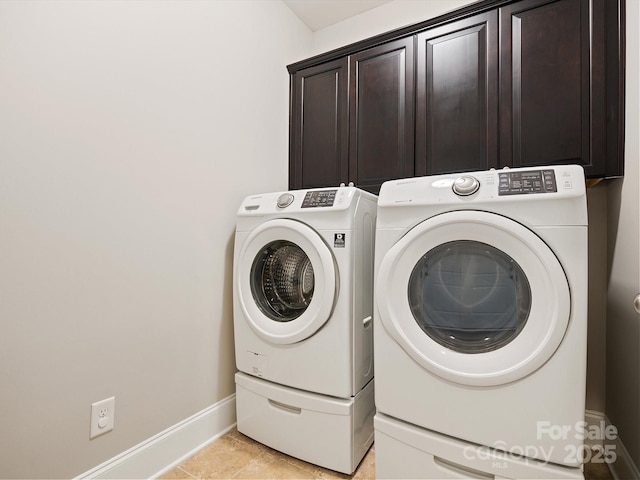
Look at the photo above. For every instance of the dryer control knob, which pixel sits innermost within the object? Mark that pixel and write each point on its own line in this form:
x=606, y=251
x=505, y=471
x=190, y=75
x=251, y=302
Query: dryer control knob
x=466, y=185
x=284, y=200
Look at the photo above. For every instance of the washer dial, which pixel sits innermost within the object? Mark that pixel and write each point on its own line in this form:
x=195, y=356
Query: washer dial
x=284, y=200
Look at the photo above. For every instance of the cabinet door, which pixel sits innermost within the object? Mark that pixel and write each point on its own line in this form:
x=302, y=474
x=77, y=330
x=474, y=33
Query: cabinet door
x=318, y=135
x=381, y=114
x=457, y=96
x=544, y=84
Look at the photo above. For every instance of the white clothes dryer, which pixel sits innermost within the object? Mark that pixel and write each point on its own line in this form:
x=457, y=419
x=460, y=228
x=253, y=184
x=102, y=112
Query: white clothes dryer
x=303, y=305
x=481, y=310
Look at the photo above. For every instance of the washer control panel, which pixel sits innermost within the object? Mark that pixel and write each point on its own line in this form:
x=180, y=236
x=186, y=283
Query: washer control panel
x=526, y=182
x=319, y=198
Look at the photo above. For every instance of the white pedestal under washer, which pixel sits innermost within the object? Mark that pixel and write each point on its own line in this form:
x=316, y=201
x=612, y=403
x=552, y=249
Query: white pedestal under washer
x=481, y=309
x=303, y=305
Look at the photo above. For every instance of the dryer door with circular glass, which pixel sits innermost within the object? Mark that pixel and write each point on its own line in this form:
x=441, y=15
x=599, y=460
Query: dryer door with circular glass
x=286, y=280
x=474, y=297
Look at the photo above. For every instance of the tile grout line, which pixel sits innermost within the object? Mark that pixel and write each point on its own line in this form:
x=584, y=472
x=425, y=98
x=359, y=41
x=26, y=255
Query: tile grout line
x=185, y=471
x=255, y=459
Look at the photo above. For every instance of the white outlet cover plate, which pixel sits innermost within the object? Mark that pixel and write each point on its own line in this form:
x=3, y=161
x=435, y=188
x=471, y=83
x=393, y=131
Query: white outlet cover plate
x=103, y=414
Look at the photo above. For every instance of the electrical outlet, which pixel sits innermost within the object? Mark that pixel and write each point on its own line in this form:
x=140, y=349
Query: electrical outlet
x=103, y=414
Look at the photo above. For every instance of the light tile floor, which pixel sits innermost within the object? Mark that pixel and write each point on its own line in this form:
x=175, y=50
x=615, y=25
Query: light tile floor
x=236, y=456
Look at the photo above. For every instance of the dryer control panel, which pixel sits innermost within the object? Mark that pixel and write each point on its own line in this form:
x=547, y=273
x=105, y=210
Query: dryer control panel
x=526, y=182
x=550, y=195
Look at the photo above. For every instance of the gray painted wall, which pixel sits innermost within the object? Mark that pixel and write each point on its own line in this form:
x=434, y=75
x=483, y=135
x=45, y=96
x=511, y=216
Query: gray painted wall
x=623, y=324
x=129, y=133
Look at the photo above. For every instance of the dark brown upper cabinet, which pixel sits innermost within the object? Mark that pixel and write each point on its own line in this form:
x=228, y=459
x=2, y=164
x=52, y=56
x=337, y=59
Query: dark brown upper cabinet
x=318, y=126
x=351, y=119
x=457, y=93
x=496, y=83
x=552, y=86
x=381, y=123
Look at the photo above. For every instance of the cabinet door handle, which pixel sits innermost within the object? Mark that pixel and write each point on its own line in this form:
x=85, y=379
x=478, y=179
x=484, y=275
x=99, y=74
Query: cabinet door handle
x=636, y=303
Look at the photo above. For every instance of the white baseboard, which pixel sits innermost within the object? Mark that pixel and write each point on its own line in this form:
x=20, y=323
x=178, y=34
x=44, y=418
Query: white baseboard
x=163, y=451
x=623, y=468
x=594, y=419
x=160, y=453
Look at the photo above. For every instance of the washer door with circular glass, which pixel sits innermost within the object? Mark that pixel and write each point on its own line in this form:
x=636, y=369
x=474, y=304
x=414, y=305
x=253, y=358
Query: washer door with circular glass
x=474, y=298
x=286, y=280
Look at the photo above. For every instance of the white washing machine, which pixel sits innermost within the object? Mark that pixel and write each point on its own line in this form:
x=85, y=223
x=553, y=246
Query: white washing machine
x=481, y=318
x=303, y=304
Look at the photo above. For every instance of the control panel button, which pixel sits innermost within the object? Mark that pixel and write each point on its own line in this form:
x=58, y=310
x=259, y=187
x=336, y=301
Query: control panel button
x=466, y=185
x=284, y=200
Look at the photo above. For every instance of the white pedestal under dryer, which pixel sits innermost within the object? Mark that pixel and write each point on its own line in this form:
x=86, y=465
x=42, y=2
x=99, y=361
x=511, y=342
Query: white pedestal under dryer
x=481, y=322
x=303, y=305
